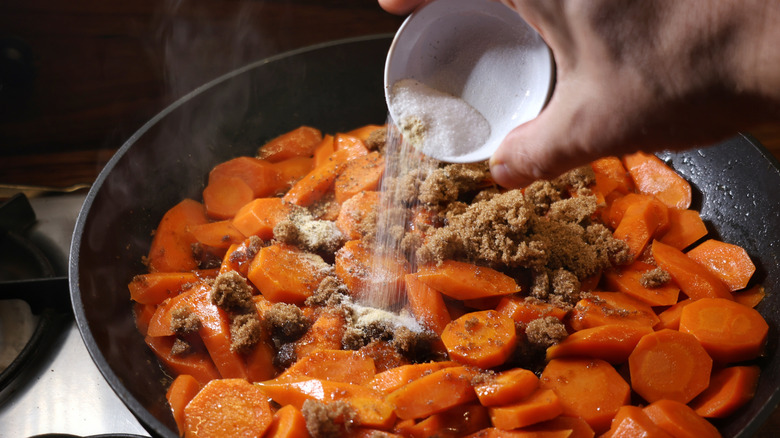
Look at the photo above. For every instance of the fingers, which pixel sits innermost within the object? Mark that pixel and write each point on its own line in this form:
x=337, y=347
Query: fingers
x=399, y=7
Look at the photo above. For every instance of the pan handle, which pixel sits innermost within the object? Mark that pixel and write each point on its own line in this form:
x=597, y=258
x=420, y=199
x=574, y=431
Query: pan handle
x=40, y=293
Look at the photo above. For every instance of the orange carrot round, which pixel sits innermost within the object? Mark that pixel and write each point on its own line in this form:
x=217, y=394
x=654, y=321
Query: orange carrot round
x=679, y=420
x=729, y=389
x=485, y=339
x=228, y=408
x=729, y=262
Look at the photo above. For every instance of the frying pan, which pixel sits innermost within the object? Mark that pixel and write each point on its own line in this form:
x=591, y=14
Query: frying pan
x=334, y=87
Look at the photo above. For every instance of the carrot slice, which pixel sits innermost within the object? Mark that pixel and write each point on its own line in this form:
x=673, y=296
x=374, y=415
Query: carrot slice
x=260, y=360
x=484, y=339
x=394, y=378
x=729, y=331
x=611, y=175
x=525, y=310
x=642, y=220
x=729, y=262
x=260, y=216
x=679, y=420
x=574, y=380
x=457, y=421
x=364, y=132
x=670, y=317
x=183, y=389
x=608, y=308
x=319, y=181
x=292, y=170
x=494, y=432
x=347, y=366
x=628, y=279
x=220, y=234
x=284, y=273
x=197, y=363
x=541, y=405
x=324, y=334
x=362, y=173
x=228, y=408
x=171, y=249
x=364, y=272
x=730, y=388
x=345, y=142
x=260, y=175
x=355, y=214
x=694, y=280
x=215, y=333
x=433, y=393
x=300, y=142
x=506, y=387
x=426, y=304
x=465, y=281
x=288, y=422
x=631, y=421
x=323, y=150
x=653, y=177
x=225, y=195
x=579, y=428
x=685, y=228
x=143, y=315
x=668, y=364
x=156, y=287
x=750, y=297
x=612, y=343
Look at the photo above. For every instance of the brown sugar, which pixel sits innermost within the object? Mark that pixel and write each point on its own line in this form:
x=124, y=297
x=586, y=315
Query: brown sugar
x=545, y=332
x=308, y=233
x=232, y=292
x=328, y=420
x=447, y=183
x=184, y=320
x=377, y=139
x=655, y=278
x=331, y=292
x=245, y=331
x=285, y=322
x=180, y=347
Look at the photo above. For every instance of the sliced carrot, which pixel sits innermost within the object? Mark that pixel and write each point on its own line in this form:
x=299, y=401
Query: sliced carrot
x=685, y=228
x=361, y=174
x=355, y=214
x=288, y=422
x=196, y=363
x=494, y=432
x=465, y=281
x=292, y=170
x=679, y=420
x=750, y=297
x=345, y=142
x=541, y=405
x=260, y=216
x=525, y=310
x=484, y=339
x=574, y=381
x=730, y=388
x=612, y=343
x=238, y=257
x=220, y=234
x=729, y=262
x=631, y=421
x=617, y=208
x=668, y=364
x=183, y=389
x=225, y=195
x=324, y=334
x=284, y=273
x=506, y=387
x=653, y=177
x=215, y=333
x=364, y=132
x=300, y=142
x=394, y=378
x=346, y=366
x=457, y=421
x=628, y=279
x=694, y=280
x=323, y=150
x=156, y=287
x=260, y=175
x=260, y=361
x=426, y=304
x=160, y=322
x=670, y=317
x=315, y=184
x=579, y=428
x=611, y=176
x=171, y=249
x=364, y=272
x=729, y=331
x=433, y=393
x=228, y=408
x=641, y=221
x=142, y=313
x=607, y=308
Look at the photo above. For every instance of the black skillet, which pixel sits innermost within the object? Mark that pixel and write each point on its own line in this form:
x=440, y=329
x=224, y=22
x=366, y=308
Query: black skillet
x=334, y=87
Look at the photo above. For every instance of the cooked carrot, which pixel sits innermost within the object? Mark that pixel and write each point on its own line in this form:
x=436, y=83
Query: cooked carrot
x=669, y=364
x=323, y=150
x=356, y=213
x=465, y=281
x=679, y=420
x=506, y=387
x=160, y=322
x=631, y=421
x=394, y=378
x=260, y=360
x=685, y=228
x=225, y=195
x=288, y=422
x=386, y=357
x=485, y=303
x=285, y=273
x=670, y=317
x=215, y=333
x=292, y=170
x=694, y=280
x=324, y=334
x=574, y=381
x=363, y=271
x=260, y=216
x=238, y=257
x=612, y=343
x=628, y=279
x=228, y=408
x=484, y=339
x=611, y=175
x=729, y=262
x=454, y=422
x=426, y=304
x=155, y=287
x=653, y=177
x=729, y=331
x=730, y=388
x=579, y=428
x=541, y=405
x=494, y=432
x=362, y=173
x=433, y=393
x=367, y=432
x=525, y=310
x=353, y=145
x=196, y=363
x=300, y=142
x=183, y=389
x=750, y=297
x=347, y=366
x=219, y=234
x=617, y=208
x=642, y=220
x=260, y=175
x=315, y=184
x=364, y=132
x=171, y=249
x=142, y=313
x=606, y=308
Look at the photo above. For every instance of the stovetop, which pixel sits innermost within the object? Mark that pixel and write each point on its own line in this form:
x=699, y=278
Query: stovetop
x=62, y=391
